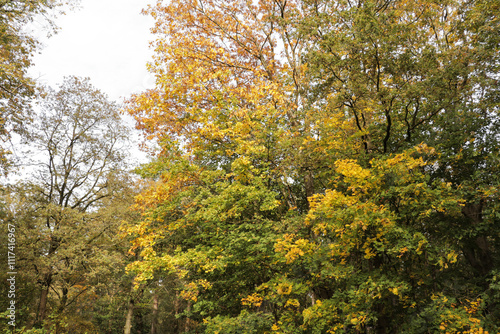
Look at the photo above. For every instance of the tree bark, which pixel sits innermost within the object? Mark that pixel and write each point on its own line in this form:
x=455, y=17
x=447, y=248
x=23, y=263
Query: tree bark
x=46, y=283
x=42, y=306
x=154, y=321
x=187, y=324
x=130, y=313
x=309, y=183
x=177, y=309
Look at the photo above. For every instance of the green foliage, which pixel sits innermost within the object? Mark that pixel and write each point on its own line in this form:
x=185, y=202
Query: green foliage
x=245, y=323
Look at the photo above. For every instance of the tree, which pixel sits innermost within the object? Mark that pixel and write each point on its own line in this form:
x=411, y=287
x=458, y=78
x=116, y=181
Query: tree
x=324, y=166
x=224, y=110
x=78, y=142
x=412, y=73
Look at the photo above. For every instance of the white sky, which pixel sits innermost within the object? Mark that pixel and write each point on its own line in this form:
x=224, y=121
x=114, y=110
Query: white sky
x=106, y=40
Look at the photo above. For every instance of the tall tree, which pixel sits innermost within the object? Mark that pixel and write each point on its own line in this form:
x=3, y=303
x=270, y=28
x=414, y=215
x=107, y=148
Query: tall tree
x=225, y=108
x=78, y=143
x=407, y=73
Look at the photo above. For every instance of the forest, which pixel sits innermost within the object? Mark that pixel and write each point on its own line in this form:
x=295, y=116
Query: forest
x=317, y=166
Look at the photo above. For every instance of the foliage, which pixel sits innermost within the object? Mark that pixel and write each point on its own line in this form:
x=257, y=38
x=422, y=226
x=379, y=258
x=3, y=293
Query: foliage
x=324, y=167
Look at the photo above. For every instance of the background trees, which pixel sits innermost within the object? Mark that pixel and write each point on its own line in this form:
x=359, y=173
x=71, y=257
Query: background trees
x=70, y=212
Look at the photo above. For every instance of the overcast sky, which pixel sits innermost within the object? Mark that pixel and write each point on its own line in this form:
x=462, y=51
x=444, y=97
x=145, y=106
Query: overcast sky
x=106, y=40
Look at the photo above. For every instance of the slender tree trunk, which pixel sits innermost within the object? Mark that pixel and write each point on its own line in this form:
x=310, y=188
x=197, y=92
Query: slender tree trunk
x=177, y=324
x=42, y=306
x=154, y=321
x=130, y=313
x=309, y=185
x=187, y=324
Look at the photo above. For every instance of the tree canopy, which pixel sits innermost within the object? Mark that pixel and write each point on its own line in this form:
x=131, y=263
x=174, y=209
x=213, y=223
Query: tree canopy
x=324, y=166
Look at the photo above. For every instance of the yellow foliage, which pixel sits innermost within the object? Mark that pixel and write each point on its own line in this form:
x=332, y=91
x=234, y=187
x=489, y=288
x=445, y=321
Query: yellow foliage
x=293, y=249
x=284, y=288
x=252, y=300
x=292, y=302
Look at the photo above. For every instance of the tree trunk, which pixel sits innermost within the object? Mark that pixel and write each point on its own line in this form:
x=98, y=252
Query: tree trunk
x=46, y=283
x=154, y=320
x=64, y=300
x=478, y=252
x=130, y=313
x=177, y=308
x=42, y=306
x=309, y=184
x=187, y=324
